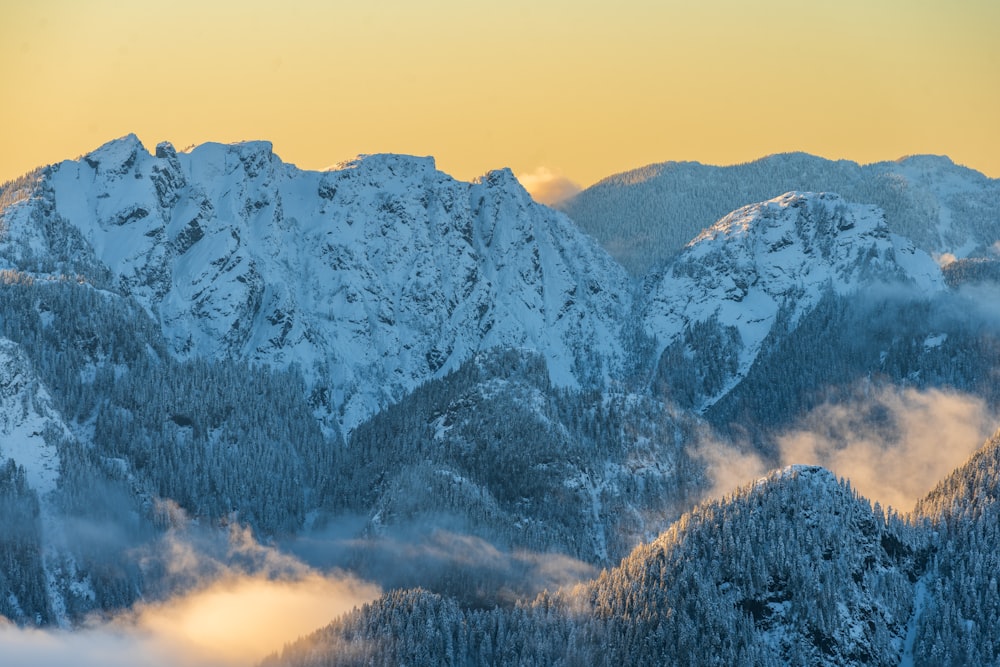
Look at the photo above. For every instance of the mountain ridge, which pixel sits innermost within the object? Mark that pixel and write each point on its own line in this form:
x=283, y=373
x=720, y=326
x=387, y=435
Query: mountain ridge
x=237, y=253
x=645, y=216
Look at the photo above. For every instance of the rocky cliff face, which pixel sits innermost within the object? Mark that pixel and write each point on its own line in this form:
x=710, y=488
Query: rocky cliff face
x=373, y=277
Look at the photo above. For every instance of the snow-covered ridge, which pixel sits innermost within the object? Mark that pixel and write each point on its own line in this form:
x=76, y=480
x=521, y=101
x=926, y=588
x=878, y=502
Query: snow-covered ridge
x=776, y=258
x=373, y=276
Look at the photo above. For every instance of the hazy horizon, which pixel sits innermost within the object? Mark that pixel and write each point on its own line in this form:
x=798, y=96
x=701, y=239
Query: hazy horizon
x=555, y=91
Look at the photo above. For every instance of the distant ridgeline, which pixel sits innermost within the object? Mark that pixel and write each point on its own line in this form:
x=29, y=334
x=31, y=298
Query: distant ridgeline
x=645, y=216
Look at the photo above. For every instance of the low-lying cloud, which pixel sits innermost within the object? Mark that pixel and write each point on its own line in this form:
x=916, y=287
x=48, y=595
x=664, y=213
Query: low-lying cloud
x=232, y=623
x=240, y=620
x=547, y=186
x=236, y=608
x=896, y=447
x=727, y=466
x=226, y=600
x=438, y=553
x=944, y=259
x=893, y=444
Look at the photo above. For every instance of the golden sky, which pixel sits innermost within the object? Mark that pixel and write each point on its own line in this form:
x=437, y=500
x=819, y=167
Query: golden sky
x=579, y=88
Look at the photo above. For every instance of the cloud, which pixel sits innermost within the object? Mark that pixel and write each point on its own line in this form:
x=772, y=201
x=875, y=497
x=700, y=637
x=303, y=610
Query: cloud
x=226, y=600
x=727, y=466
x=232, y=623
x=239, y=620
x=474, y=570
x=944, y=259
x=237, y=607
x=976, y=304
x=547, y=186
x=39, y=648
x=892, y=444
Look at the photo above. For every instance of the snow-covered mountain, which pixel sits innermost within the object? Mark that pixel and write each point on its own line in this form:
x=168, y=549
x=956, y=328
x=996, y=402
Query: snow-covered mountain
x=763, y=267
x=372, y=277
x=645, y=216
x=383, y=273
x=553, y=471
x=505, y=409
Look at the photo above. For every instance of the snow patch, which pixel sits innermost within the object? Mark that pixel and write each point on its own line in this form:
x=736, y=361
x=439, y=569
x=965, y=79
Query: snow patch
x=935, y=341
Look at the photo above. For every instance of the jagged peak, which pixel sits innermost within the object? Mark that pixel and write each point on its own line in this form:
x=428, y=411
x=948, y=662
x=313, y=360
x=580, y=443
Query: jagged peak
x=128, y=142
x=253, y=157
x=116, y=155
x=242, y=149
x=498, y=176
x=803, y=485
x=797, y=476
x=165, y=150
x=799, y=473
x=504, y=180
x=798, y=479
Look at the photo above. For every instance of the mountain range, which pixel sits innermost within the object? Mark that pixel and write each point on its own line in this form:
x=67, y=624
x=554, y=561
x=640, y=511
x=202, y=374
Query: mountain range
x=442, y=386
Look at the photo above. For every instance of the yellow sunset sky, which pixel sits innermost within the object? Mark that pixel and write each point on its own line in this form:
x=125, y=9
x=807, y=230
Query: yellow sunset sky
x=579, y=88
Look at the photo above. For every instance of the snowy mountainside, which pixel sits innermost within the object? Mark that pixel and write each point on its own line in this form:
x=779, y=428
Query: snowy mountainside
x=793, y=569
x=959, y=204
x=959, y=617
x=759, y=269
x=646, y=215
x=834, y=592
x=36, y=551
x=26, y=414
x=968, y=491
x=586, y=475
x=151, y=441
x=372, y=277
x=849, y=347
